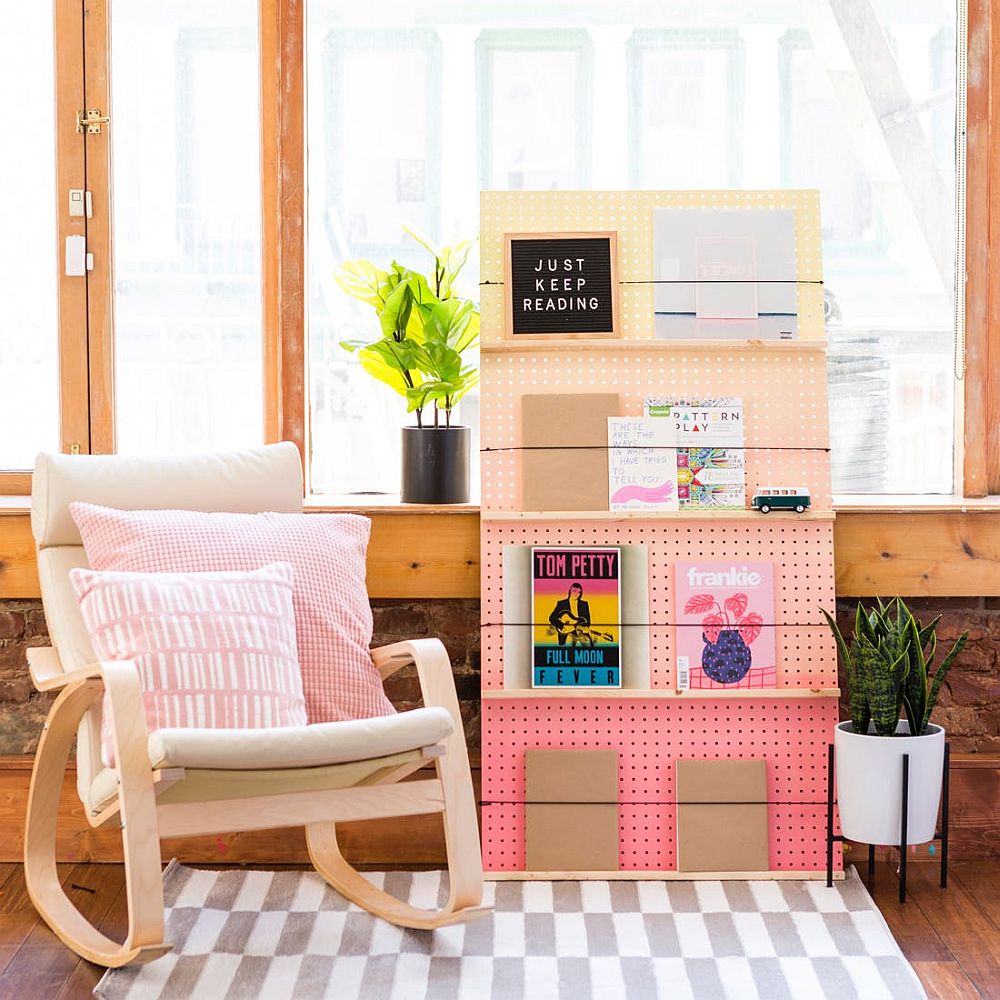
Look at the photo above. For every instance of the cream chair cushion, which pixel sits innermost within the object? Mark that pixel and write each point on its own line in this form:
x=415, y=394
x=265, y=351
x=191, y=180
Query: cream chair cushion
x=313, y=746
x=299, y=746
x=258, y=479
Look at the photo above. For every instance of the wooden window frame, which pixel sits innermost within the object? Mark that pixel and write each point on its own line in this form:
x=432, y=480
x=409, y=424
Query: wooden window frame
x=981, y=390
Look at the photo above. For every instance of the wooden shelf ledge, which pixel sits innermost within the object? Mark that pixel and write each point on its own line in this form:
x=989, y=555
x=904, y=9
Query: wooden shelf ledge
x=643, y=694
x=609, y=345
x=658, y=876
x=655, y=515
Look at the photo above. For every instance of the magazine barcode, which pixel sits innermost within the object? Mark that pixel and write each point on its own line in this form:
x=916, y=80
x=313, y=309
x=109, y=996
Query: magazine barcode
x=683, y=673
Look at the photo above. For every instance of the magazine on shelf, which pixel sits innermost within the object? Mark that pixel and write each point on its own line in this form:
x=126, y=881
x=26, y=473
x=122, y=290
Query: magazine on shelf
x=725, y=274
x=710, y=452
x=725, y=624
x=576, y=616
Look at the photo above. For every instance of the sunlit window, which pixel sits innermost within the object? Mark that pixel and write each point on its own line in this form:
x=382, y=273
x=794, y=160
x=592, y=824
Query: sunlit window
x=409, y=119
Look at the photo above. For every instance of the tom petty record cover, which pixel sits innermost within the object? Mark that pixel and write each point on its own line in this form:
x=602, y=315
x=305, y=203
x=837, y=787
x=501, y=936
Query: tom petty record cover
x=576, y=602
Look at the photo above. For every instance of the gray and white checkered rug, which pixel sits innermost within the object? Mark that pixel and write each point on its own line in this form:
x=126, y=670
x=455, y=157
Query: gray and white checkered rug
x=275, y=935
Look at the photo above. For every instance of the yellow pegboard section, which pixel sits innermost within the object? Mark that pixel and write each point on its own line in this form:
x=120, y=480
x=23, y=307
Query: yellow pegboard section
x=631, y=214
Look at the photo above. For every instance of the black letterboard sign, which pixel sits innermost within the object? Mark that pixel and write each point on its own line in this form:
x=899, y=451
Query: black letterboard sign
x=561, y=284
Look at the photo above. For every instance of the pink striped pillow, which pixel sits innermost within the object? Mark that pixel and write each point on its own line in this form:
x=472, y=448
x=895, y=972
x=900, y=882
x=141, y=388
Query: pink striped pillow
x=213, y=650
x=333, y=619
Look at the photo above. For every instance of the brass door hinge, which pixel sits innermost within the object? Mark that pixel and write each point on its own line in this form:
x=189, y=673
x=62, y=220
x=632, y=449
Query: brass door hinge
x=90, y=121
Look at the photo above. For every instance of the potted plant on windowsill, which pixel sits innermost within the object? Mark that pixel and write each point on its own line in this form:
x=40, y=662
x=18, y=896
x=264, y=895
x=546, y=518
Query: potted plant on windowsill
x=426, y=332
x=888, y=668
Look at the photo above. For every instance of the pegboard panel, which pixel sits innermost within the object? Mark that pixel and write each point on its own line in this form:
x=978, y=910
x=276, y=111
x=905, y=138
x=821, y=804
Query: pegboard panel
x=650, y=737
x=801, y=551
x=785, y=410
x=630, y=213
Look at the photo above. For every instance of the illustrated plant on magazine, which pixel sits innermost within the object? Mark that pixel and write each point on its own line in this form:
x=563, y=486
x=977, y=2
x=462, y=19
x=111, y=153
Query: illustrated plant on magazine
x=725, y=632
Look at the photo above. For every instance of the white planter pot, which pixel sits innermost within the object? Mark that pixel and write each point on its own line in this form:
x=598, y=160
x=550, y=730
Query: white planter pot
x=870, y=783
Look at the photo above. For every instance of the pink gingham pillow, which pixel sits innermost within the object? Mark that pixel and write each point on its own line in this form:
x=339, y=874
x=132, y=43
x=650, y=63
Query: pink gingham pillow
x=333, y=619
x=213, y=650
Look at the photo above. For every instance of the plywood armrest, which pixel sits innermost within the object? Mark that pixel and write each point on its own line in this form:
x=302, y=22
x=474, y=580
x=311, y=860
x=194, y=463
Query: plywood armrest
x=47, y=672
x=437, y=684
x=46, y=668
x=389, y=659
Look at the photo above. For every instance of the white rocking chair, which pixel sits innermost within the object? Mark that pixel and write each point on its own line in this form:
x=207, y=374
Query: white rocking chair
x=177, y=783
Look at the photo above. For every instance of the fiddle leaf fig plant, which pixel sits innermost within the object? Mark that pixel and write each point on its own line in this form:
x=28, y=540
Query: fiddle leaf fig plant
x=888, y=667
x=426, y=329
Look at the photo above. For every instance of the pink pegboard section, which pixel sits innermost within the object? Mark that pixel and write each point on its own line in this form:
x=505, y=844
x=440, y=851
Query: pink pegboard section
x=783, y=388
x=802, y=553
x=791, y=735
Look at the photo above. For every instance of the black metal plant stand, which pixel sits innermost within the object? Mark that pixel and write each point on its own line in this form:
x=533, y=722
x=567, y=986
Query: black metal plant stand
x=942, y=835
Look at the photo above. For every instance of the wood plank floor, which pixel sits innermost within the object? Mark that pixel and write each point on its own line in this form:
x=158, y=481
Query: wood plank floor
x=952, y=937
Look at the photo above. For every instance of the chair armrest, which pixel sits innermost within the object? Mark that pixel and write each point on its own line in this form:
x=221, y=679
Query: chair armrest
x=47, y=672
x=437, y=684
x=389, y=659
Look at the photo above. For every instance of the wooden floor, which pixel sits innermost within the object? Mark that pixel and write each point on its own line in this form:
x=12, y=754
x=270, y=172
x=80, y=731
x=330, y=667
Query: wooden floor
x=952, y=937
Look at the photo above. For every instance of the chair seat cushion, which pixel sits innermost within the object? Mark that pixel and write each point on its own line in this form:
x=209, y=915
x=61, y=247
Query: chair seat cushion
x=299, y=746
x=295, y=747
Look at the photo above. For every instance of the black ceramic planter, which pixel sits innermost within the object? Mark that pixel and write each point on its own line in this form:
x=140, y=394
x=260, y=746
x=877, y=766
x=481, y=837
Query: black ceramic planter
x=436, y=464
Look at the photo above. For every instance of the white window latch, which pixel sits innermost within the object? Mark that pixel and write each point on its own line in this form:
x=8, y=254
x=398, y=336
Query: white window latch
x=78, y=261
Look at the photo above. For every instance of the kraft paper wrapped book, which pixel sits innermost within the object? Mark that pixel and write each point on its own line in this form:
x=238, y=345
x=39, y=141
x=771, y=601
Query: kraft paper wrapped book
x=564, y=462
x=722, y=816
x=572, y=810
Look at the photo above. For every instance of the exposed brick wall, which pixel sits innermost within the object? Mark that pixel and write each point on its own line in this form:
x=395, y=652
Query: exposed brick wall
x=969, y=703
x=22, y=708
x=456, y=622
x=969, y=706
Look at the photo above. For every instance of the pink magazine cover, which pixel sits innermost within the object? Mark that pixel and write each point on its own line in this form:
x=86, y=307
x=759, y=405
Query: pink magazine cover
x=725, y=624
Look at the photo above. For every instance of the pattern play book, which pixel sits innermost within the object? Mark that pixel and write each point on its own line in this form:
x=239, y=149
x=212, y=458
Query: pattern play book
x=576, y=616
x=642, y=464
x=709, y=450
x=725, y=624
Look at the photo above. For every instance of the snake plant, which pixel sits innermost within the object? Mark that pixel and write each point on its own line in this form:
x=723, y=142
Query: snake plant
x=888, y=665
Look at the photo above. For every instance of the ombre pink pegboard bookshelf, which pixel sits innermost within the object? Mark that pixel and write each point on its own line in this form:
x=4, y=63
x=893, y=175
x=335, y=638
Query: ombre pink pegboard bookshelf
x=649, y=721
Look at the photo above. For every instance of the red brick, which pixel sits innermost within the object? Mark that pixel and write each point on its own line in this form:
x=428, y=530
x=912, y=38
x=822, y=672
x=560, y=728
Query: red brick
x=11, y=624
x=36, y=624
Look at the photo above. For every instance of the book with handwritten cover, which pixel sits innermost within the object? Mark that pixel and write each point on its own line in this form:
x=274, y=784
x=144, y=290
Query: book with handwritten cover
x=725, y=624
x=710, y=452
x=642, y=464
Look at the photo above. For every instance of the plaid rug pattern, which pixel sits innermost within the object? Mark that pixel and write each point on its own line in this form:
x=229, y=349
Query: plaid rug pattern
x=274, y=935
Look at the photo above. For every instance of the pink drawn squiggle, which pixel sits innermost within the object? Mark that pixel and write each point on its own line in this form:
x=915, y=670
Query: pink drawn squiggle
x=644, y=494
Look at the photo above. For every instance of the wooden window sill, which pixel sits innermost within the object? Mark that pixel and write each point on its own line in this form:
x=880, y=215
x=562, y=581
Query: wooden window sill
x=913, y=546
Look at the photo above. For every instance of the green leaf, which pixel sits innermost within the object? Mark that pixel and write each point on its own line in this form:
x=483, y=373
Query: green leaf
x=939, y=676
x=423, y=240
x=362, y=280
x=396, y=313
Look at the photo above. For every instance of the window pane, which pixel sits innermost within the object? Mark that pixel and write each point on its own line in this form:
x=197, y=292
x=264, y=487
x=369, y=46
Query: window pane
x=29, y=357
x=716, y=94
x=369, y=172
x=535, y=109
x=187, y=226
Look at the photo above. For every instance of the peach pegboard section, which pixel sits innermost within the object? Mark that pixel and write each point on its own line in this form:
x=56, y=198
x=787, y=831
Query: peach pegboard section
x=650, y=737
x=783, y=389
x=630, y=213
x=802, y=553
